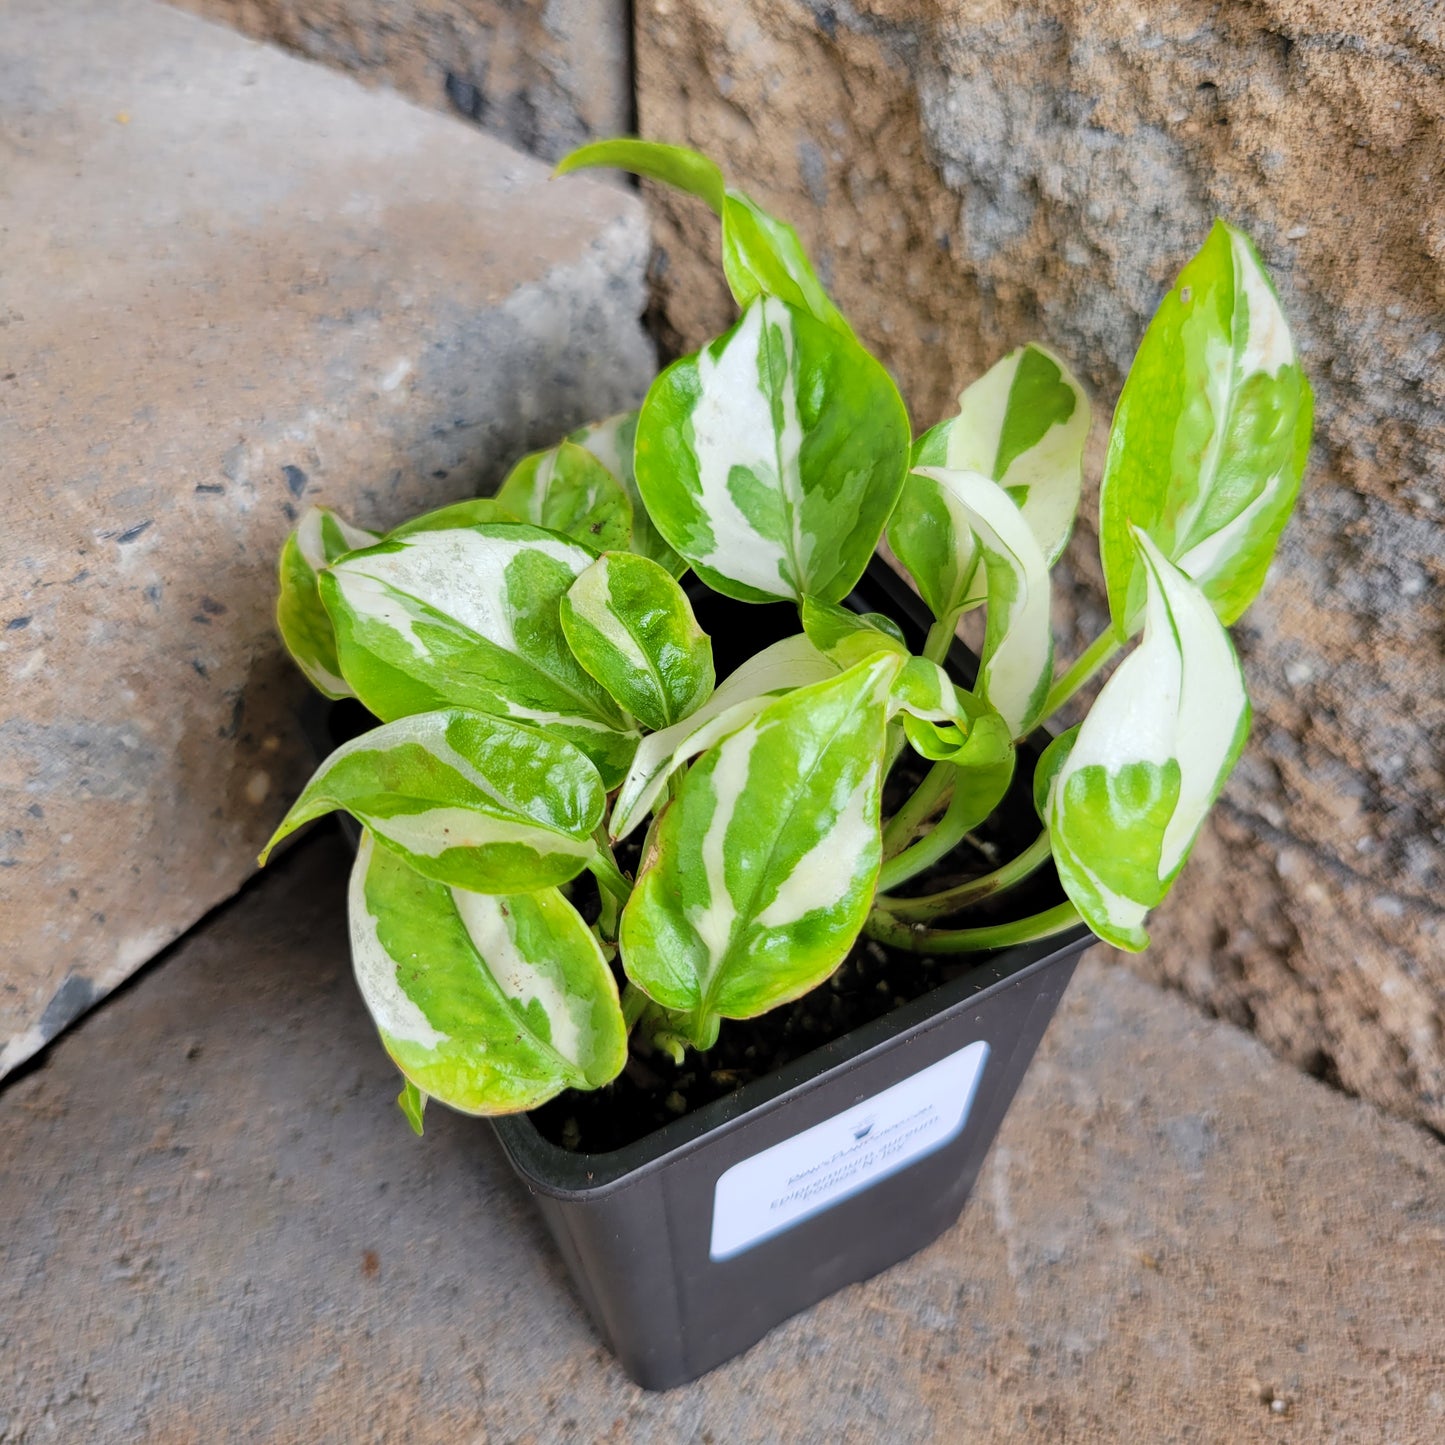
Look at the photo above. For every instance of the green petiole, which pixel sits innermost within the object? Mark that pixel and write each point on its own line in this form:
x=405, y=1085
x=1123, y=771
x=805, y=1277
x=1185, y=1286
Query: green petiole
x=883, y=927
x=951, y=900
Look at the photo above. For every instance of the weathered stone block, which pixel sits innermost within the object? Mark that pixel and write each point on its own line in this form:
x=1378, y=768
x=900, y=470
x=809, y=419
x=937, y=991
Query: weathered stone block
x=234, y=285
x=544, y=75
x=971, y=175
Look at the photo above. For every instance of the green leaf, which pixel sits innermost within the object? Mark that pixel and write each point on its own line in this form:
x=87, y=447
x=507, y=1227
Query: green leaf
x=771, y=459
x=631, y=626
x=794, y=662
x=1018, y=647
x=983, y=759
x=490, y=1004
x=475, y=801
x=1051, y=760
x=319, y=539
x=931, y=536
x=764, y=865
x=1023, y=424
x=1149, y=760
x=412, y=1102
x=673, y=165
x=566, y=489
x=470, y=618
x=762, y=256
x=472, y=512
x=846, y=637
x=612, y=442
x=1210, y=436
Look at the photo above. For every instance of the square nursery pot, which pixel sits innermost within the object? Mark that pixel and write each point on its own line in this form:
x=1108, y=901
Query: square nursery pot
x=690, y=1244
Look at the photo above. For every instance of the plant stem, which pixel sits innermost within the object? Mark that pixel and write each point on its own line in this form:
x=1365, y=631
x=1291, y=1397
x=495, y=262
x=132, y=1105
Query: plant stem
x=1090, y=661
x=947, y=834
x=903, y=826
x=914, y=938
x=940, y=638
x=634, y=1005
x=950, y=900
x=605, y=870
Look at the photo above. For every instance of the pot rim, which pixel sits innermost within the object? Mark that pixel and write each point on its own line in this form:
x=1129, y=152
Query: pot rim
x=547, y=1168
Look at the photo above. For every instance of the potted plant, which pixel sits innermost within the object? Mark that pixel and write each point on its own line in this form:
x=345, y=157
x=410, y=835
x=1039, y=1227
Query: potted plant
x=747, y=970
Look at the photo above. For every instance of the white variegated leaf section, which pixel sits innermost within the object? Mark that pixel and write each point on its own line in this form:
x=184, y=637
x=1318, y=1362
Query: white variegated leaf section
x=1018, y=651
x=459, y=573
x=733, y=427
x=1178, y=699
x=1046, y=476
x=397, y=1016
x=489, y=925
x=1267, y=347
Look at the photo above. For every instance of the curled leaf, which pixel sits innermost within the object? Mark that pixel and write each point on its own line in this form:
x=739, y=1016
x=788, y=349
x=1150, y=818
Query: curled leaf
x=1149, y=760
x=1018, y=649
x=631, y=626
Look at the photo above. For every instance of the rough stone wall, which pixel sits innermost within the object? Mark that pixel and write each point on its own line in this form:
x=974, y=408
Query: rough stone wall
x=970, y=174
x=542, y=74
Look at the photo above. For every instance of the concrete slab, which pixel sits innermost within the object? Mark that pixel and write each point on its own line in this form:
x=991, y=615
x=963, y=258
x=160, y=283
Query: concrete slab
x=219, y=1228
x=232, y=284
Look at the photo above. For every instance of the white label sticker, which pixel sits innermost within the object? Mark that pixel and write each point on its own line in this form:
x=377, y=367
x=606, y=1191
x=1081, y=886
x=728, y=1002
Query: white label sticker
x=812, y=1171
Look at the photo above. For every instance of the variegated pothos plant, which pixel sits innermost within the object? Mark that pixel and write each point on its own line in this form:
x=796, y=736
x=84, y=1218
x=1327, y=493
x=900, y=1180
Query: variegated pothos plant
x=543, y=688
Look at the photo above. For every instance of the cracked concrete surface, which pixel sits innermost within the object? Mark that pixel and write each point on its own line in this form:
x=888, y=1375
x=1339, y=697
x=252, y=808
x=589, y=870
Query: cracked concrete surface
x=220, y=1228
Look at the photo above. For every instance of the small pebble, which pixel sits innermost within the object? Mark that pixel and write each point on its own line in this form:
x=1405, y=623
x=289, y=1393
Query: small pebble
x=676, y=1103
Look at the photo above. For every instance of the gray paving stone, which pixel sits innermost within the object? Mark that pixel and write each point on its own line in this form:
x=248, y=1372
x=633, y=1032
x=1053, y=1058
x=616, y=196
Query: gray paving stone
x=220, y=1228
x=232, y=284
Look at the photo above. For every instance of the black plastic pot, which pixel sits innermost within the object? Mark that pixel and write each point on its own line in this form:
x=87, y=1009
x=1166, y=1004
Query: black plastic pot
x=692, y=1243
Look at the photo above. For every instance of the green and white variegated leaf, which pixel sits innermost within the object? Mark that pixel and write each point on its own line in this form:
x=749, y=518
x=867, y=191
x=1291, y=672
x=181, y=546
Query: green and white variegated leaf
x=772, y=459
x=567, y=490
x=1023, y=423
x=925, y=691
x=489, y=1003
x=847, y=637
x=631, y=626
x=794, y=662
x=612, y=442
x=1210, y=436
x=471, y=800
x=761, y=255
x=1051, y=760
x=470, y=618
x=1149, y=760
x=1018, y=647
x=931, y=536
x=319, y=539
x=473, y=512
x=763, y=867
